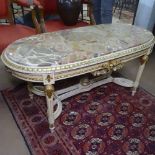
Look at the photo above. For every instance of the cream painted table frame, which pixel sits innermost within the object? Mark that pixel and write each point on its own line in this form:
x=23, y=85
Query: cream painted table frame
x=99, y=50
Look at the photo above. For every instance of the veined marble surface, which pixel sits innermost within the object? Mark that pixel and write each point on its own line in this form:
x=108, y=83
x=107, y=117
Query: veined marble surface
x=73, y=45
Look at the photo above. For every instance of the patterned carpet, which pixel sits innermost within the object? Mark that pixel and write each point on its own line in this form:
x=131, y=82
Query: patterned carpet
x=104, y=121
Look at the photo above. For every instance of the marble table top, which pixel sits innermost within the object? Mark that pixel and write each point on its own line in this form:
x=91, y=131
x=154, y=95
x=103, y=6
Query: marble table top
x=74, y=45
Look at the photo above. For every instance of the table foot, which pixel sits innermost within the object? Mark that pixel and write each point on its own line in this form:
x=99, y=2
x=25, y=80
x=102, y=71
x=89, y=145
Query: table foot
x=133, y=92
x=51, y=127
x=31, y=96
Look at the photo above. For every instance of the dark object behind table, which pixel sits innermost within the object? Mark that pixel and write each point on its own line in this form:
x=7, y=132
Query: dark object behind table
x=69, y=11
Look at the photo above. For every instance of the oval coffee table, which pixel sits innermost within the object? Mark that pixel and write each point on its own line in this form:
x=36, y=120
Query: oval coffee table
x=98, y=49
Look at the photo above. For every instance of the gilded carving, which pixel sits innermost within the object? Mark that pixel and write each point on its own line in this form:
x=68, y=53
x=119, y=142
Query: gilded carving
x=85, y=81
x=48, y=78
x=49, y=90
x=144, y=59
x=89, y=69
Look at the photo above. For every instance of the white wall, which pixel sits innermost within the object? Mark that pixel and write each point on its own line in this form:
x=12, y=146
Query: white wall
x=145, y=16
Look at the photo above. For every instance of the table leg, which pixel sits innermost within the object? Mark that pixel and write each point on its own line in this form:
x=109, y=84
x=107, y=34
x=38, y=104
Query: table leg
x=49, y=92
x=30, y=87
x=143, y=61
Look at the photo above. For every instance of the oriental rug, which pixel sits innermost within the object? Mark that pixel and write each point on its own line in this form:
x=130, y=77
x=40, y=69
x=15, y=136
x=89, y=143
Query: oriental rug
x=104, y=121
